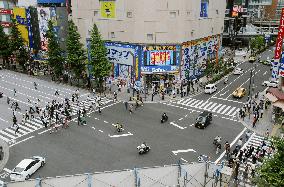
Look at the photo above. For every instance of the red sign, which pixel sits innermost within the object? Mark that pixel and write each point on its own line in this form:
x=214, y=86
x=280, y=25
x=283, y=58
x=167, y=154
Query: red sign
x=279, y=40
x=6, y=24
x=5, y=11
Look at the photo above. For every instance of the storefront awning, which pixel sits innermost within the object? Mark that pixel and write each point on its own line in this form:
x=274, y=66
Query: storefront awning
x=271, y=97
x=279, y=104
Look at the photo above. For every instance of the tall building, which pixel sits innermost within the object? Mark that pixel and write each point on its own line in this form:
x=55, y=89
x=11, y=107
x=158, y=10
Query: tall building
x=146, y=37
x=6, y=7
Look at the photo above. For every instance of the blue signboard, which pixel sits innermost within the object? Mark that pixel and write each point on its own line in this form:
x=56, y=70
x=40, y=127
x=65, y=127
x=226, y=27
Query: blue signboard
x=51, y=1
x=204, y=10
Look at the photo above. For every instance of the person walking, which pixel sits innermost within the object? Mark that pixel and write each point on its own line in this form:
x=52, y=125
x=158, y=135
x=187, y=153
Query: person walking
x=130, y=108
x=15, y=92
x=35, y=85
x=79, y=117
x=56, y=92
x=8, y=100
x=14, y=121
x=17, y=128
x=239, y=144
x=248, y=134
x=254, y=121
x=267, y=134
x=126, y=105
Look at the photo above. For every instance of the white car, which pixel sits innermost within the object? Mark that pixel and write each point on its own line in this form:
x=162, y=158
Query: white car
x=26, y=168
x=270, y=84
x=210, y=88
x=238, y=71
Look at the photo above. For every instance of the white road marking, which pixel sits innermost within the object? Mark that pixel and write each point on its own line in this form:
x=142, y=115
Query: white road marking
x=7, y=170
x=183, y=151
x=4, y=120
x=94, y=128
x=183, y=160
x=265, y=73
x=224, y=93
x=5, y=139
x=120, y=135
x=44, y=131
x=101, y=131
x=22, y=141
x=233, y=142
x=176, y=125
x=191, y=125
x=105, y=122
x=228, y=100
x=180, y=119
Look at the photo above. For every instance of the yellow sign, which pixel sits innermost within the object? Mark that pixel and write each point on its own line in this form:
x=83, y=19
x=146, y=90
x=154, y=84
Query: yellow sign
x=108, y=9
x=19, y=14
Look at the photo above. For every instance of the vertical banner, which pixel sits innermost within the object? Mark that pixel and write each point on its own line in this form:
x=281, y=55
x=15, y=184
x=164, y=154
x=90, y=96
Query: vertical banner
x=278, y=50
x=43, y=16
x=108, y=9
x=29, y=24
x=20, y=15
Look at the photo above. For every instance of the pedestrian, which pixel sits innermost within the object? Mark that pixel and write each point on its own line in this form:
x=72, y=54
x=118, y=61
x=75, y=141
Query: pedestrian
x=8, y=100
x=245, y=173
x=254, y=121
x=267, y=134
x=248, y=134
x=252, y=170
x=261, y=112
x=14, y=121
x=130, y=108
x=27, y=116
x=79, y=117
x=44, y=120
x=126, y=105
x=240, y=143
x=218, y=148
x=16, y=128
x=56, y=92
x=35, y=85
x=114, y=96
x=15, y=92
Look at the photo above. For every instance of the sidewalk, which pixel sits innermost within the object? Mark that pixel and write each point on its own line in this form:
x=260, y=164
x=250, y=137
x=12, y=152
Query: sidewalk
x=263, y=123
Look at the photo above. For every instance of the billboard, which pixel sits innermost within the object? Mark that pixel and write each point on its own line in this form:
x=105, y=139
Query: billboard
x=159, y=59
x=204, y=10
x=107, y=9
x=278, y=50
x=19, y=14
x=5, y=11
x=43, y=16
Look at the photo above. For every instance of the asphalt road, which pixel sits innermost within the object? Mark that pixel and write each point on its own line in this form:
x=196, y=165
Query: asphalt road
x=94, y=147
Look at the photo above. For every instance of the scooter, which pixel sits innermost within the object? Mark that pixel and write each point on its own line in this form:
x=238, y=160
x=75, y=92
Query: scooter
x=164, y=119
x=143, y=151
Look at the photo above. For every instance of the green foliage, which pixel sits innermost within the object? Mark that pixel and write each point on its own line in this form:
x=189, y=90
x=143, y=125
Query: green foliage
x=23, y=57
x=257, y=43
x=271, y=172
x=16, y=39
x=76, y=56
x=99, y=61
x=55, y=58
x=5, y=51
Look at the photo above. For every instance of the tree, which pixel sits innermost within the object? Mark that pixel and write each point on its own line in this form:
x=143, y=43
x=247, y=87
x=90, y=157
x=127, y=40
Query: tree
x=5, y=51
x=101, y=65
x=55, y=58
x=271, y=172
x=76, y=56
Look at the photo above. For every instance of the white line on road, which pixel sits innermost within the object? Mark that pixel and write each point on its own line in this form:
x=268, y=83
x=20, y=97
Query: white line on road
x=228, y=100
x=105, y=121
x=191, y=125
x=176, y=125
x=94, y=128
x=231, y=145
x=120, y=135
x=224, y=93
x=265, y=73
x=180, y=119
x=22, y=141
x=4, y=120
x=183, y=160
x=183, y=151
x=44, y=131
x=101, y=131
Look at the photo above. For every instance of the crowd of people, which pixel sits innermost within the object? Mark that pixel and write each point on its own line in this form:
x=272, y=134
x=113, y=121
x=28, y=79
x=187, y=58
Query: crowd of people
x=56, y=113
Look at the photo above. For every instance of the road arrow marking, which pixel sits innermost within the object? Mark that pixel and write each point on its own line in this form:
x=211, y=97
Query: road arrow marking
x=183, y=151
x=176, y=125
x=120, y=135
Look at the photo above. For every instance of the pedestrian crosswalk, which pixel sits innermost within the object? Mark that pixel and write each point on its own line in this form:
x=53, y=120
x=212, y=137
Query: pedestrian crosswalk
x=209, y=106
x=34, y=124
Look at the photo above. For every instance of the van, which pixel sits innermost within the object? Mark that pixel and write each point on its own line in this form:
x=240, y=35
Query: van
x=210, y=88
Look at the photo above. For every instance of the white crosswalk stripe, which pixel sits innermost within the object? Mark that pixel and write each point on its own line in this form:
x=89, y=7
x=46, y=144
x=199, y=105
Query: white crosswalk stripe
x=210, y=106
x=34, y=124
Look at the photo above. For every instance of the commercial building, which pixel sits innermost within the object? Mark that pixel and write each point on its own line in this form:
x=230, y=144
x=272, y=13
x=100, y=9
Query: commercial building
x=6, y=7
x=169, y=37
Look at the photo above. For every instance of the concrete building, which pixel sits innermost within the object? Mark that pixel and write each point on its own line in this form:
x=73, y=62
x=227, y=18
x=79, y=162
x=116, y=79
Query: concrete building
x=161, y=36
x=6, y=7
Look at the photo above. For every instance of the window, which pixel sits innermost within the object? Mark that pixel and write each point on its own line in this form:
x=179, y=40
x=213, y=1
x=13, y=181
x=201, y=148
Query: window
x=112, y=35
x=96, y=13
x=129, y=14
x=188, y=13
x=149, y=36
x=173, y=14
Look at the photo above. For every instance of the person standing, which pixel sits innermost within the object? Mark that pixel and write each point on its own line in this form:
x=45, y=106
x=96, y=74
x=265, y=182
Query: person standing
x=79, y=117
x=35, y=85
x=126, y=105
x=8, y=100
x=254, y=121
x=56, y=92
x=14, y=121
x=15, y=92
x=16, y=128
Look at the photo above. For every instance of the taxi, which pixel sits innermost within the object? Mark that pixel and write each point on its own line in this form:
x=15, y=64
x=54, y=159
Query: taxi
x=239, y=92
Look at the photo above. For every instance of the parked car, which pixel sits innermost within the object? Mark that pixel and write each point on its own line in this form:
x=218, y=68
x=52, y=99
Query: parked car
x=252, y=59
x=210, y=88
x=239, y=92
x=273, y=84
x=26, y=168
x=203, y=120
x=238, y=71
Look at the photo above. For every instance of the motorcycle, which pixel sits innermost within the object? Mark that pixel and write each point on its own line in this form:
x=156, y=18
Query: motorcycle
x=142, y=150
x=164, y=119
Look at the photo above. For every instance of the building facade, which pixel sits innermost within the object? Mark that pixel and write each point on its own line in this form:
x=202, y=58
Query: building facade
x=6, y=7
x=169, y=37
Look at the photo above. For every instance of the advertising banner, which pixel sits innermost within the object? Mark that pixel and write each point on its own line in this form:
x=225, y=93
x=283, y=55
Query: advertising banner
x=107, y=9
x=278, y=49
x=281, y=67
x=6, y=11
x=159, y=59
x=6, y=24
x=120, y=54
x=43, y=16
x=204, y=10
x=29, y=26
x=19, y=14
x=51, y=1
